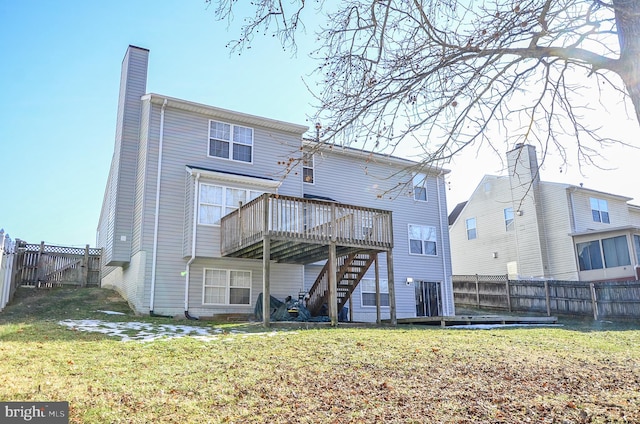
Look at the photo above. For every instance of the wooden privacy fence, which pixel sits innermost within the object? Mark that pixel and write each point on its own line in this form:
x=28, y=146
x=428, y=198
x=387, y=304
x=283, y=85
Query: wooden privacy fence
x=41, y=265
x=578, y=298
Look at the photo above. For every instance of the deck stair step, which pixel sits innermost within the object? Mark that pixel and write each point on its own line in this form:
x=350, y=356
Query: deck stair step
x=351, y=269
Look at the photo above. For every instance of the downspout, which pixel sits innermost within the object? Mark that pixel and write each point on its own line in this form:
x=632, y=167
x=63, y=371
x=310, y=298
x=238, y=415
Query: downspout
x=444, y=260
x=193, y=250
x=154, y=260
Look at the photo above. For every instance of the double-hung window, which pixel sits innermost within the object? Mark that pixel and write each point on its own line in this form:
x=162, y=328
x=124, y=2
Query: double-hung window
x=368, y=287
x=216, y=201
x=472, y=233
x=226, y=287
x=599, y=210
x=508, y=219
x=307, y=168
x=420, y=187
x=231, y=142
x=422, y=240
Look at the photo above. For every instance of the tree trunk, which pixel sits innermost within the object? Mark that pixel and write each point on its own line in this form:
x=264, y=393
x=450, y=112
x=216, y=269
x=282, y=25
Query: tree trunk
x=627, y=14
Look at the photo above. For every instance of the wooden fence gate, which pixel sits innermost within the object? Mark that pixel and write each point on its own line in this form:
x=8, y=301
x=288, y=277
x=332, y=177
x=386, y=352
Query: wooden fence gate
x=41, y=265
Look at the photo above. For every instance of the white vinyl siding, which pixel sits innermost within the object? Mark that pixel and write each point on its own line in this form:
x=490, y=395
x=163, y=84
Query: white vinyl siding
x=226, y=287
x=231, y=142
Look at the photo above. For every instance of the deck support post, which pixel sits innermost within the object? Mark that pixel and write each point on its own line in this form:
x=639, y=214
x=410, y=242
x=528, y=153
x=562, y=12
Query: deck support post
x=392, y=289
x=377, y=270
x=333, y=284
x=266, y=267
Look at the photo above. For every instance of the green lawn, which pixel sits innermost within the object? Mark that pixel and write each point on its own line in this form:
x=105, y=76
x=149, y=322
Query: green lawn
x=370, y=375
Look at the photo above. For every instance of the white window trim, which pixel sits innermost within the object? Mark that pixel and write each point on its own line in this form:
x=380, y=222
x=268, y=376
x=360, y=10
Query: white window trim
x=227, y=286
x=409, y=241
x=600, y=202
x=362, y=291
x=422, y=179
x=224, y=196
x=312, y=167
x=231, y=142
x=509, y=226
x=466, y=222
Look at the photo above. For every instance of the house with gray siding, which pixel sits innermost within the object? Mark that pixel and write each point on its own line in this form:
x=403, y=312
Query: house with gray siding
x=528, y=228
x=205, y=209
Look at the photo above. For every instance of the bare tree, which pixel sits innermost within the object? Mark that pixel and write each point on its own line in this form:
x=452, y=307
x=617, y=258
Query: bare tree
x=445, y=74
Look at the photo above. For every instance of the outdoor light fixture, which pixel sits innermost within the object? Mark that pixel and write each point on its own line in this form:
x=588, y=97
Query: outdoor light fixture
x=409, y=281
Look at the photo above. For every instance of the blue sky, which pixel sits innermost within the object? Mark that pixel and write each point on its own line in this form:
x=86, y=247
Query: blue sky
x=58, y=97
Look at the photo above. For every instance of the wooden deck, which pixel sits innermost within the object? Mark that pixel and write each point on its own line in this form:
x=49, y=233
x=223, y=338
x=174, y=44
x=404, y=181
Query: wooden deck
x=477, y=319
x=301, y=230
x=296, y=230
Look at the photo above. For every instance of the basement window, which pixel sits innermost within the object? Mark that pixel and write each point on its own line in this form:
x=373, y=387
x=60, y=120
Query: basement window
x=368, y=288
x=226, y=287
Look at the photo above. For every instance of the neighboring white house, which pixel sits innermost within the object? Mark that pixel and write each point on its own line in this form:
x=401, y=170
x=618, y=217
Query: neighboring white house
x=527, y=228
x=176, y=242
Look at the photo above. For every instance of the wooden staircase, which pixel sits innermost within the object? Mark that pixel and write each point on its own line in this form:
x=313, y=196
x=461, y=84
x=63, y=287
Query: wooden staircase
x=350, y=270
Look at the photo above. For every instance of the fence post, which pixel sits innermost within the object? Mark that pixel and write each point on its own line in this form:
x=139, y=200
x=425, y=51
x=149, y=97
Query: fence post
x=477, y=290
x=594, y=301
x=85, y=267
x=508, y=293
x=40, y=268
x=546, y=297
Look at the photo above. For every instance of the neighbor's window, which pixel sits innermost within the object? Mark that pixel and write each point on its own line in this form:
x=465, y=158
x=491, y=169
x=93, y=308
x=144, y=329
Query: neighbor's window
x=589, y=256
x=471, y=228
x=369, y=292
x=508, y=218
x=636, y=243
x=307, y=168
x=232, y=142
x=616, y=251
x=422, y=240
x=216, y=201
x=226, y=287
x=420, y=187
x=599, y=210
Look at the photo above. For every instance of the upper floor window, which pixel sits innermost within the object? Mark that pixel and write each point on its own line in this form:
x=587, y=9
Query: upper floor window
x=422, y=240
x=471, y=228
x=420, y=187
x=232, y=142
x=369, y=292
x=216, y=201
x=226, y=287
x=307, y=168
x=599, y=210
x=508, y=219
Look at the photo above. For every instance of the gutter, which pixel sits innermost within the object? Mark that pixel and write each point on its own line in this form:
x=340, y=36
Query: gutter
x=193, y=249
x=157, y=212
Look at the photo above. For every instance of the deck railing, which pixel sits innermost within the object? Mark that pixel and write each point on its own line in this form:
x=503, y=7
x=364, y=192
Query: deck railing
x=306, y=220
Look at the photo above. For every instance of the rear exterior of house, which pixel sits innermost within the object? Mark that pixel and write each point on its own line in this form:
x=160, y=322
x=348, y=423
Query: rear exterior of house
x=179, y=167
x=528, y=228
